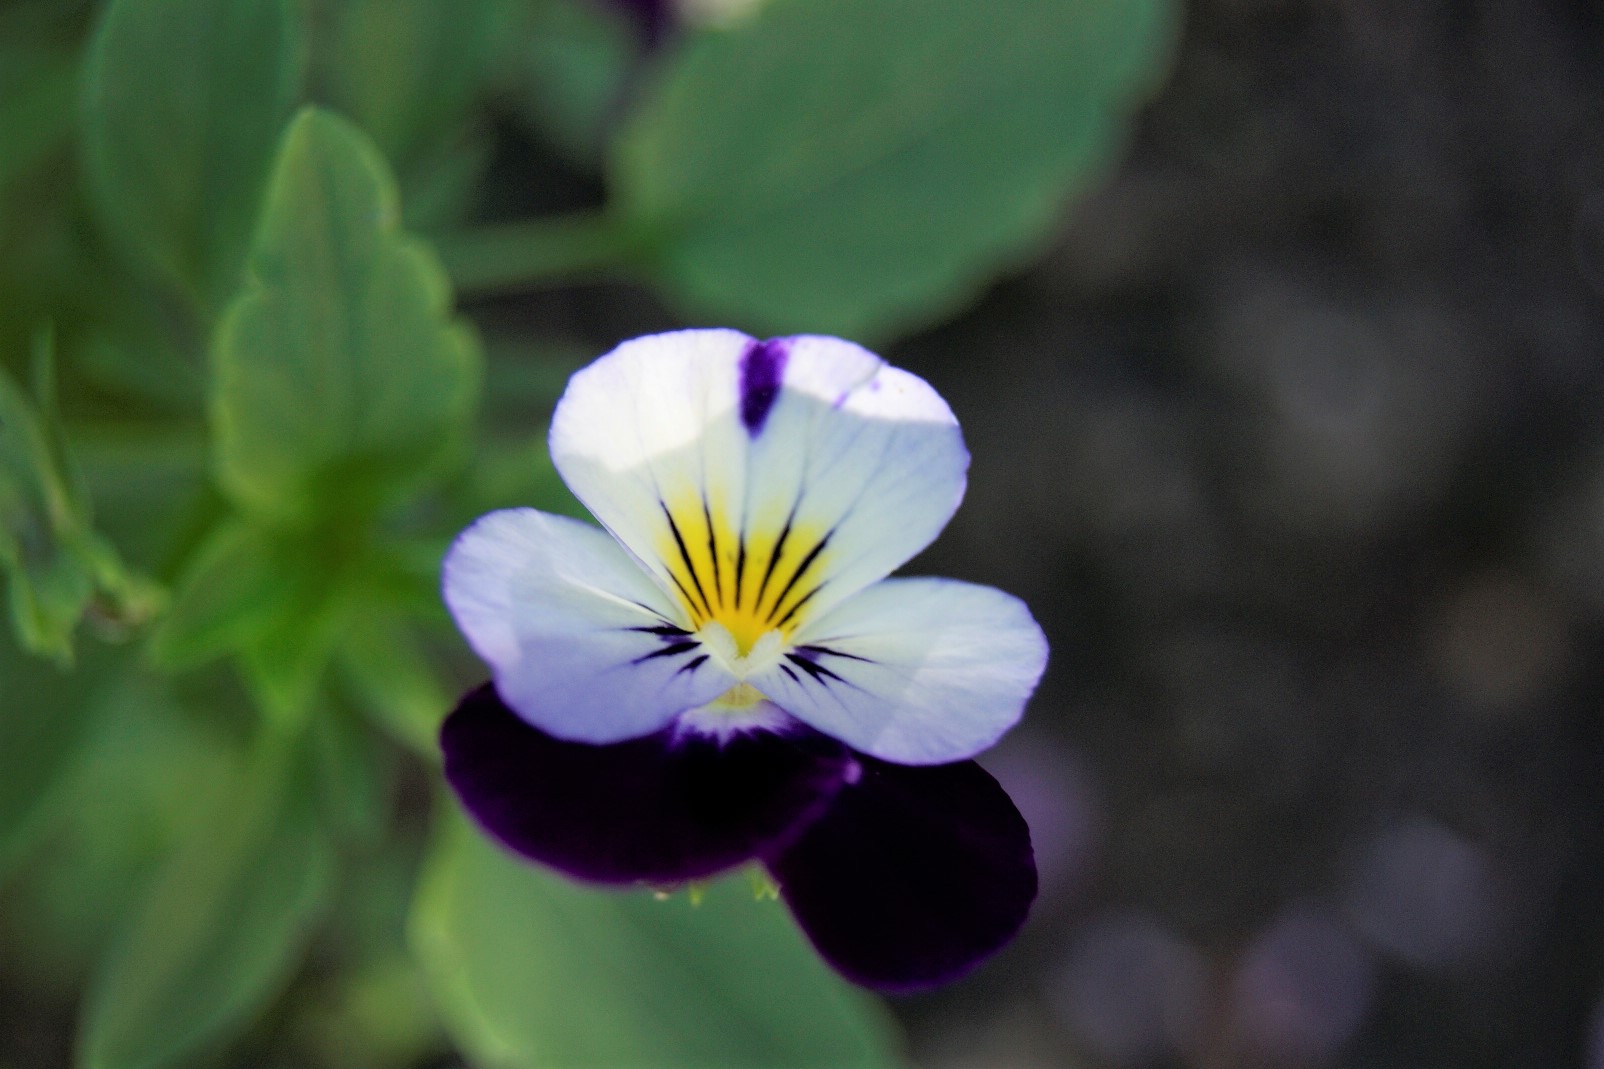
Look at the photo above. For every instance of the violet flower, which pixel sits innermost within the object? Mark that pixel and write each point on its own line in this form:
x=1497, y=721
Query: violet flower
x=725, y=674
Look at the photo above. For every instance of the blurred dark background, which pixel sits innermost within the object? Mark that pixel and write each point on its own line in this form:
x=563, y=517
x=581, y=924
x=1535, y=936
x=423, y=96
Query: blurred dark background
x=1292, y=442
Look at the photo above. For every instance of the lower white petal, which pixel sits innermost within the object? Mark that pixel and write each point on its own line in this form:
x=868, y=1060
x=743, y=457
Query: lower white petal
x=915, y=671
x=581, y=643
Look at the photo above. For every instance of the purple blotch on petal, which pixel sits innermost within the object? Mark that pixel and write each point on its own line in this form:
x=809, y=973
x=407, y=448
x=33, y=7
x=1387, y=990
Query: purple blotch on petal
x=913, y=876
x=762, y=371
x=661, y=809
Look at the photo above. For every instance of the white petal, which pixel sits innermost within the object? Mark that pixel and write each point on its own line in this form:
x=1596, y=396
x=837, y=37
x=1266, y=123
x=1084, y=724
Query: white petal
x=653, y=423
x=579, y=640
x=759, y=501
x=915, y=671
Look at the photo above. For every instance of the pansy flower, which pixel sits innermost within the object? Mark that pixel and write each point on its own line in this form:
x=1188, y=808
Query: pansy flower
x=725, y=674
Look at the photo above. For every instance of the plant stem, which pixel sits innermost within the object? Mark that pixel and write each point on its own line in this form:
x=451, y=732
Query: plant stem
x=534, y=253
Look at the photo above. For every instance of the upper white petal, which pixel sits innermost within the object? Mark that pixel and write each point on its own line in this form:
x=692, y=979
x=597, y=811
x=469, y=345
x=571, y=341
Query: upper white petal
x=851, y=454
x=915, y=671
x=865, y=450
x=559, y=612
x=653, y=421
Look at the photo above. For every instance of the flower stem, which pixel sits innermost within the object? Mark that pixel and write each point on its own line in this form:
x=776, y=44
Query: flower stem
x=535, y=253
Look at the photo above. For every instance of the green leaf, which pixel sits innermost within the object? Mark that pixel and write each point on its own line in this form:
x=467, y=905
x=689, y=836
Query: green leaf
x=151, y=485
x=223, y=926
x=859, y=166
x=355, y=778
x=408, y=71
x=184, y=101
x=37, y=483
x=439, y=186
x=376, y=1012
x=532, y=971
x=388, y=673
x=47, y=593
x=56, y=564
x=284, y=665
x=277, y=599
x=231, y=592
x=45, y=714
x=569, y=74
x=48, y=596
x=36, y=108
x=29, y=23
x=283, y=602
x=342, y=381
x=127, y=798
x=375, y=1016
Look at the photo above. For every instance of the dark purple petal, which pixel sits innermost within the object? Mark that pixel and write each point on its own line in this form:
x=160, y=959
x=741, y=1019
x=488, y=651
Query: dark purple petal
x=913, y=876
x=659, y=809
x=762, y=371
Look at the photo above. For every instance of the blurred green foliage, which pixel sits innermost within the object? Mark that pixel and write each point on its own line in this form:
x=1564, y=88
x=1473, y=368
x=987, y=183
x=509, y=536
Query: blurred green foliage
x=239, y=424
x=224, y=920
x=536, y=971
x=881, y=159
x=176, y=147
x=57, y=563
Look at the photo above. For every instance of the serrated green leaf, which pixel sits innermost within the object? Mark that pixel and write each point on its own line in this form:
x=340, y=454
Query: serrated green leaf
x=223, y=924
x=342, y=381
x=184, y=101
x=532, y=971
x=858, y=166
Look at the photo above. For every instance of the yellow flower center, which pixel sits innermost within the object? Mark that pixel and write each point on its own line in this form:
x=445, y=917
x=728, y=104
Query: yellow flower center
x=750, y=582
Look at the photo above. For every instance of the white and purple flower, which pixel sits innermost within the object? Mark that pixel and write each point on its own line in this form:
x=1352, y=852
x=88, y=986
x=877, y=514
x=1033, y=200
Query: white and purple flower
x=725, y=674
